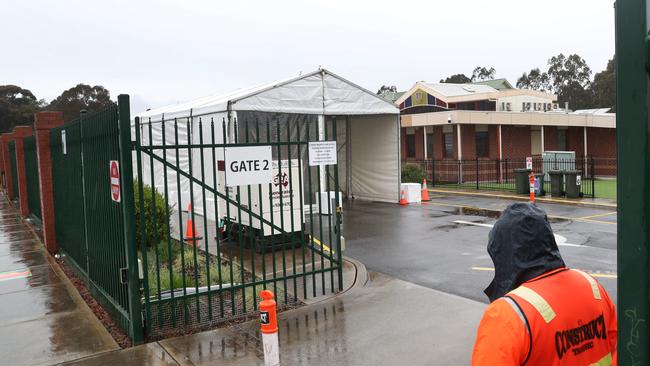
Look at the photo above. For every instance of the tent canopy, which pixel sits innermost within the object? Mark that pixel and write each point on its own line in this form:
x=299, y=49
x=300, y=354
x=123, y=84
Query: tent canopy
x=320, y=92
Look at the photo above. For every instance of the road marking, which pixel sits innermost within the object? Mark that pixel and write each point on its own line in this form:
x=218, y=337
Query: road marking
x=559, y=239
x=12, y=275
x=599, y=215
x=324, y=246
x=549, y=216
x=601, y=275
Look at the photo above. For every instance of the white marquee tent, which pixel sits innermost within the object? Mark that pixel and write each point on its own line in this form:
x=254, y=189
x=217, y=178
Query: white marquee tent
x=368, y=131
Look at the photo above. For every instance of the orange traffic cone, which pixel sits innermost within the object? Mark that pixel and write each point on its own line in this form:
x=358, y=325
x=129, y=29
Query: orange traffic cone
x=190, y=230
x=425, y=191
x=531, y=180
x=402, y=200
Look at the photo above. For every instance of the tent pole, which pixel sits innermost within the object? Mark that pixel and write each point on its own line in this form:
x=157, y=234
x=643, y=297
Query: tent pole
x=321, y=137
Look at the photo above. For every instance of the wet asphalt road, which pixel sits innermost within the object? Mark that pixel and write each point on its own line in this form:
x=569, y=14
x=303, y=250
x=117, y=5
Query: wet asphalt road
x=442, y=244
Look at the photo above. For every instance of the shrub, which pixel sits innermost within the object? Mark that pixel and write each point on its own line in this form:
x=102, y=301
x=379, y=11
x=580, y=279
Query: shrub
x=155, y=231
x=412, y=174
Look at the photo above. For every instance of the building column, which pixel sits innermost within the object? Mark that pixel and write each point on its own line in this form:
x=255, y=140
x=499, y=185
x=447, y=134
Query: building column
x=424, y=138
x=20, y=132
x=43, y=122
x=500, y=144
x=9, y=185
x=542, y=134
x=460, y=148
x=584, y=138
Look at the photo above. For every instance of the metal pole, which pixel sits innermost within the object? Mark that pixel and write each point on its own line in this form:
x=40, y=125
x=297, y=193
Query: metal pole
x=128, y=210
x=633, y=156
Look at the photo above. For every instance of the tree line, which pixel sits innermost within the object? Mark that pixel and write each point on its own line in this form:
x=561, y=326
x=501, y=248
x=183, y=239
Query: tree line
x=18, y=105
x=569, y=77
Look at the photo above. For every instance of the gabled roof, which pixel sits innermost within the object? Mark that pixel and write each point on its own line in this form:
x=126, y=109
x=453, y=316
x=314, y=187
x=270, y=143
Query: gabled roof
x=455, y=90
x=317, y=92
x=498, y=84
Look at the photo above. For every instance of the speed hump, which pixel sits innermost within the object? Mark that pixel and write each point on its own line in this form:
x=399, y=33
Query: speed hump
x=115, y=180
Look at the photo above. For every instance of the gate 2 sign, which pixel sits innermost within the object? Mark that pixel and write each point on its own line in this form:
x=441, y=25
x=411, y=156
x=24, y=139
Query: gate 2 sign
x=248, y=165
x=115, y=181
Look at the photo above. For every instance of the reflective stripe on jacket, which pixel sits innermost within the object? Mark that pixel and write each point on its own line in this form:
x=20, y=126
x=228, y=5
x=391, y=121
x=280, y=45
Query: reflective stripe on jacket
x=563, y=317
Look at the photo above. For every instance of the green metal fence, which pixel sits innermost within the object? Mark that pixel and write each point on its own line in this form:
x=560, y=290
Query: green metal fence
x=92, y=229
x=246, y=237
x=31, y=175
x=14, y=167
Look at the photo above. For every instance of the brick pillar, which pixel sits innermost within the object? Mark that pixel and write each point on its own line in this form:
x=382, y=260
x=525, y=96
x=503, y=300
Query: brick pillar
x=43, y=122
x=20, y=132
x=8, y=182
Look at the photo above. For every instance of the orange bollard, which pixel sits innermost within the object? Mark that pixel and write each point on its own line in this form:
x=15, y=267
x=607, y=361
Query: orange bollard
x=425, y=191
x=269, y=325
x=531, y=179
x=191, y=236
x=402, y=200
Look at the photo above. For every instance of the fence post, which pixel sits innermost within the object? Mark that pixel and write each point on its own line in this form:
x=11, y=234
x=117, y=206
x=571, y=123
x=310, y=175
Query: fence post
x=8, y=181
x=43, y=122
x=128, y=210
x=20, y=132
x=477, y=173
x=593, y=177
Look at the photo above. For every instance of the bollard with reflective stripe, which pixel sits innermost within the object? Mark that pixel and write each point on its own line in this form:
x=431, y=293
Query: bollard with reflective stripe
x=531, y=179
x=269, y=325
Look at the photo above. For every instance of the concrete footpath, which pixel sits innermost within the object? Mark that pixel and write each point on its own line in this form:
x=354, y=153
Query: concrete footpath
x=43, y=320
x=380, y=320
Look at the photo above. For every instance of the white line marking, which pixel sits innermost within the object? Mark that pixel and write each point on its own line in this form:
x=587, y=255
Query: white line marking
x=559, y=239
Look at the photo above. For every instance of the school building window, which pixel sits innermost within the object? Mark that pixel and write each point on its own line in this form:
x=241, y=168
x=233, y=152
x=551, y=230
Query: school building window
x=410, y=146
x=448, y=139
x=481, y=139
x=561, y=140
x=430, y=145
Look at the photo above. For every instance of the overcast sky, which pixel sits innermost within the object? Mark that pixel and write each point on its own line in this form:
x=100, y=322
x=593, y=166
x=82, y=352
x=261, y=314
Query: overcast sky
x=164, y=52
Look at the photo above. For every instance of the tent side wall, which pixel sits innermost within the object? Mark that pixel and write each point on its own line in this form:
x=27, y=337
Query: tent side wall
x=374, y=157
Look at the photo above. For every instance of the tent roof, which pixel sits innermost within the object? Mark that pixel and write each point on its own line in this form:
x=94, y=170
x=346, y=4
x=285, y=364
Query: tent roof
x=318, y=92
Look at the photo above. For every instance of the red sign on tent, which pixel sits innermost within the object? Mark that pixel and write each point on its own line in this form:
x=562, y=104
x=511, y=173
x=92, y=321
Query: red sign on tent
x=115, y=180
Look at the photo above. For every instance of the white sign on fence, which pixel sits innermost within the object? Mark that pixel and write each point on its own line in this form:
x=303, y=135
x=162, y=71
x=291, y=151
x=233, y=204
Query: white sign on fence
x=529, y=163
x=578, y=180
x=322, y=153
x=63, y=142
x=248, y=165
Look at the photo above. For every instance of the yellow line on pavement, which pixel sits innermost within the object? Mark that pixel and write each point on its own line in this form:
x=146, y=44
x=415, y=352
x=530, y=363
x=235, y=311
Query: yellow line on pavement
x=599, y=215
x=324, y=246
x=602, y=275
x=549, y=216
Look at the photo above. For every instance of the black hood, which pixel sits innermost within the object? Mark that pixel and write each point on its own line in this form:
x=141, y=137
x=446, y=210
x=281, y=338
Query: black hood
x=522, y=246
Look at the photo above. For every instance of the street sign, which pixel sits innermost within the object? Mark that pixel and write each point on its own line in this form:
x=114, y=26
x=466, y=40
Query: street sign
x=115, y=180
x=529, y=163
x=322, y=153
x=248, y=165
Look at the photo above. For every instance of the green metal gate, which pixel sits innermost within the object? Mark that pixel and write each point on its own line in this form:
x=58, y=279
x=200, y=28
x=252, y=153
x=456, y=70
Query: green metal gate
x=95, y=233
x=14, y=167
x=242, y=238
x=31, y=174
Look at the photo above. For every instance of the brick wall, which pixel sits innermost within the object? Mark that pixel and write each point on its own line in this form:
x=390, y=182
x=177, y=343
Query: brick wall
x=550, y=138
x=468, y=141
x=516, y=141
x=493, y=142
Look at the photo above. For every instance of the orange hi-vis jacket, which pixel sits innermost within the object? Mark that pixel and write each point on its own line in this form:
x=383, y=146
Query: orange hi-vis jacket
x=563, y=317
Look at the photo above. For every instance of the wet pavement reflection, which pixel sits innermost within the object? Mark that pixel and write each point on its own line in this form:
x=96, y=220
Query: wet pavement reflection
x=43, y=320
